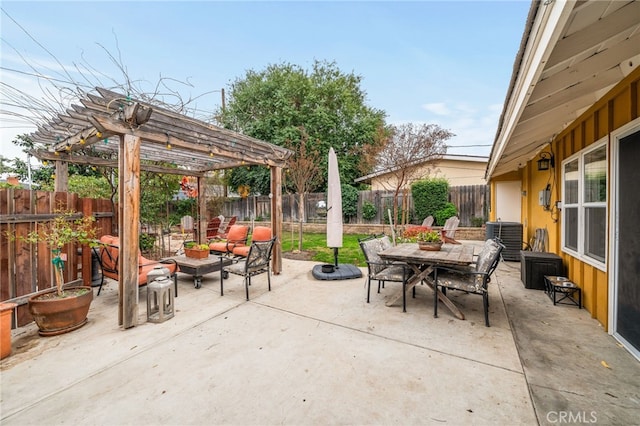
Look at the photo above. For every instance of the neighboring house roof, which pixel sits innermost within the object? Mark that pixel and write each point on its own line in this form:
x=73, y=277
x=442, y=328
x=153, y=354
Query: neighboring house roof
x=450, y=157
x=571, y=54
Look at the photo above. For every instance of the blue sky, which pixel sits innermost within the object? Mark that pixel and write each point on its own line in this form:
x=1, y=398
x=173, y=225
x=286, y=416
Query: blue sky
x=442, y=62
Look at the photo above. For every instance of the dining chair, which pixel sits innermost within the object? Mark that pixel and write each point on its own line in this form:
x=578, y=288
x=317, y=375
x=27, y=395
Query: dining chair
x=472, y=281
x=257, y=262
x=381, y=270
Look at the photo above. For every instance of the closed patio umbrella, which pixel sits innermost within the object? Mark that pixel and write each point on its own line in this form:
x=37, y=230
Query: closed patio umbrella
x=334, y=227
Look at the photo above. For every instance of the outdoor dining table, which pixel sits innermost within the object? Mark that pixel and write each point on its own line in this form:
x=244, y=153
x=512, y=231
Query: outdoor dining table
x=423, y=263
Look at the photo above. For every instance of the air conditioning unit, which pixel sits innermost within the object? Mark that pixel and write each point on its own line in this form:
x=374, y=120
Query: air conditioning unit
x=511, y=235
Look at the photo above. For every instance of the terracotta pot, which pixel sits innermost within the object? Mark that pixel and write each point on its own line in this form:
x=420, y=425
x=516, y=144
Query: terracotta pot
x=429, y=246
x=6, y=309
x=196, y=254
x=55, y=315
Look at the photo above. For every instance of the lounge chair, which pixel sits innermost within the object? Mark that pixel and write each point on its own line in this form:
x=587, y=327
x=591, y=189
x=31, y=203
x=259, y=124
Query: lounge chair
x=232, y=222
x=236, y=237
x=108, y=253
x=213, y=227
x=448, y=231
x=260, y=233
x=428, y=222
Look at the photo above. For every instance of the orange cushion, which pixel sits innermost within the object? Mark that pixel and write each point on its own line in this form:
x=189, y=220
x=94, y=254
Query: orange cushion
x=145, y=265
x=260, y=233
x=238, y=233
x=224, y=246
x=242, y=251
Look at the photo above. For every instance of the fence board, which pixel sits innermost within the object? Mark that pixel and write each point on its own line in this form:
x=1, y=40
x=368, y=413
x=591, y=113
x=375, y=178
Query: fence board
x=472, y=202
x=26, y=268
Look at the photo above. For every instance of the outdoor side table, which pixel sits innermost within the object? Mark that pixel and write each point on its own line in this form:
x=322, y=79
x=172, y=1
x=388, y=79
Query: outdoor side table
x=560, y=288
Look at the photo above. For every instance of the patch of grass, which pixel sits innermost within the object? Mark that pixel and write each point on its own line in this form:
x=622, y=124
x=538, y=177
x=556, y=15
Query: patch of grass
x=350, y=251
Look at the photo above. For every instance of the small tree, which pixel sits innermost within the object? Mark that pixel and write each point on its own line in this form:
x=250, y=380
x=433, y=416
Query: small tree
x=59, y=232
x=303, y=173
x=404, y=151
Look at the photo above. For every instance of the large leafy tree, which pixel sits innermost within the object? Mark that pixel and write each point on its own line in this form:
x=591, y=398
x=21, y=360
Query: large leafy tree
x=275, y=103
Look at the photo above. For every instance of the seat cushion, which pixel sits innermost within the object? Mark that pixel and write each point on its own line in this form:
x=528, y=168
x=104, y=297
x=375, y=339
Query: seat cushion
x=149, y=265
x=391, y=273
x=242, y=251
x=224, y=246
x=465, y=282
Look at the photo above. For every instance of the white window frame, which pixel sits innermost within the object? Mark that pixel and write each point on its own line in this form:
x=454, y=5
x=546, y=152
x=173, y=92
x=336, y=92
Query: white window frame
x=582, y=205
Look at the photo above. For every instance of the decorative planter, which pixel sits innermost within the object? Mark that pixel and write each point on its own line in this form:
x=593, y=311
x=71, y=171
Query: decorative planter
x=6, y=309
x=55, y=315
x=196, y=253
x=430, y=246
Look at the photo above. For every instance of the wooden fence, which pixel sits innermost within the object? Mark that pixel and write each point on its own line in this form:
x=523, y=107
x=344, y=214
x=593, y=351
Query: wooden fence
x=472, y=202
x=26, y=268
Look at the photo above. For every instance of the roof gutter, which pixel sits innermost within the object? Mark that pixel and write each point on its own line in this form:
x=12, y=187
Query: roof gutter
x=543, y=28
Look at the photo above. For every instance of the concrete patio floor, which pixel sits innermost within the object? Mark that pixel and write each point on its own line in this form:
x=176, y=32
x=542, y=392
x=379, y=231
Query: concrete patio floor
x=314, y=352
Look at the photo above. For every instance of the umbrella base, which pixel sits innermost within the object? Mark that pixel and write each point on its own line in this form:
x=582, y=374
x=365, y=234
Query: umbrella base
x=342, y=272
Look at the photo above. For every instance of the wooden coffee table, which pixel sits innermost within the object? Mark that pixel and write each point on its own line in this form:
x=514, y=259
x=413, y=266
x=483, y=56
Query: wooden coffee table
x=200, y=267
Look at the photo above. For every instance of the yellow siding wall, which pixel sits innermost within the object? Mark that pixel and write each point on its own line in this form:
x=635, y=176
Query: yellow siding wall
x=615, y=109
x=457, y=172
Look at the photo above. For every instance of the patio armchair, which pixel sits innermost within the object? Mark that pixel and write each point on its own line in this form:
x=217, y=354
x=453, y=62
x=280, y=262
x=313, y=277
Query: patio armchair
x=474, y=280
x=256, y=263
x=260, y=233
x=236, y=237
x=213, y=227
x=108, y=253
x=381, y=270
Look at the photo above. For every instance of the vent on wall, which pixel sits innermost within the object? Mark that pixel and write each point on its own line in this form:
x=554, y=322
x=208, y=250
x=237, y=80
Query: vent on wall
x=511, y=235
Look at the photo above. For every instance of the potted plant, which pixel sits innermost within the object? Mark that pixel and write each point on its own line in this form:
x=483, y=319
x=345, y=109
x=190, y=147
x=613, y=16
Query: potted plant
x=61, y=310
x=429, y=240
x=195, y=250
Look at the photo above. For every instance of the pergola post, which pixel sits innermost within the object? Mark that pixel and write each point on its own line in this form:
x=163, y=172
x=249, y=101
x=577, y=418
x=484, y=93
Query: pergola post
x=129, y=226
x=276, y=218
x=62, y=176
x=202, y=211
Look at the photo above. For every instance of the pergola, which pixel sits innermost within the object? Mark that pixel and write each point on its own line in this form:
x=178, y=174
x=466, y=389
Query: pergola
x=113, y=130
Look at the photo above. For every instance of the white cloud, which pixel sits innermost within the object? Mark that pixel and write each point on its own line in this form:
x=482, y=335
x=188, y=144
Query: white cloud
x=437, y=108
x=474, y=126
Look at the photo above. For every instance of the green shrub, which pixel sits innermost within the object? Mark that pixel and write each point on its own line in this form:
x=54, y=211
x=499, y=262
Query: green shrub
x=369, y=210
x=429, y=196
x=445, y=213
x=477, y=221
x=147, y=241
x=399, y=218
x=349, y=201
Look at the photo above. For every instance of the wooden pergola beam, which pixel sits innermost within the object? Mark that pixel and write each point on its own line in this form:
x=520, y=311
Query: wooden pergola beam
x=137, y=133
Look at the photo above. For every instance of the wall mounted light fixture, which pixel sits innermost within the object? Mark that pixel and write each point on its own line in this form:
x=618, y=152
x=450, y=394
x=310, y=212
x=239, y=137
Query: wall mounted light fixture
x=546, y=160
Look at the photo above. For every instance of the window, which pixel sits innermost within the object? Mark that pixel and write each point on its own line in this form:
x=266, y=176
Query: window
x=584, y=220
